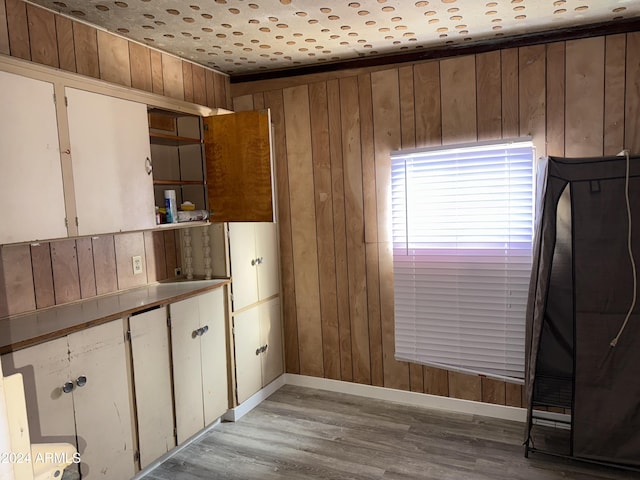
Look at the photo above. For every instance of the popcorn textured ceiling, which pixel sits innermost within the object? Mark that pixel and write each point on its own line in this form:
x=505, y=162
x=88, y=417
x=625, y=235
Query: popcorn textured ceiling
x=250, y=36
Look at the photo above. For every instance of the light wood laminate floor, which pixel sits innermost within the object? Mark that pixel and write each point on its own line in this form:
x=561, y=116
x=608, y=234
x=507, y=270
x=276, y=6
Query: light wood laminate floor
x=302, y=433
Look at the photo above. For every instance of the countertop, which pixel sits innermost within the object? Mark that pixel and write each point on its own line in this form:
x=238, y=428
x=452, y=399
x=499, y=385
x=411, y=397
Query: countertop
x=25, y=330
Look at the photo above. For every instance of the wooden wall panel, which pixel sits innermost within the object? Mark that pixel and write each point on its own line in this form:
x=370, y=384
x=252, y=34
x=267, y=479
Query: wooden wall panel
x=324, y=227
x=275, y=102
x=489, y=95
x=458, y=84
x=42, y=36
x=42, y=275
x=17, y=294
x=243, y=103
x=584, y=121
x=18, y=29
x=614, y=69
x=632, y=92
x=506, y=94
x=113, y=56
x=555, y=98
x=86, y=47
x=154, y=251
x=210, y=88
x=140, y=59
x=104, y=261
x=305, y=251
x=219, y=90
x=258, y=101
x=170, y=249
x=66, y=280
x=354, y=215
x=157, y=82
x=339, y=228
x=199, y=85
x=187, y=76
x=4, y=32
x=172, y=76
x=86, y=270
x=66, y=47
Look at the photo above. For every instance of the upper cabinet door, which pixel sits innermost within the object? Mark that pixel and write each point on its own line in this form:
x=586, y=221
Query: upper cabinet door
x=109, y=152
x=239, y=173
x=31, y=178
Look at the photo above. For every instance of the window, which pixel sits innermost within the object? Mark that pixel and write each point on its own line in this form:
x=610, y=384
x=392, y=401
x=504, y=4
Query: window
x=462, y=227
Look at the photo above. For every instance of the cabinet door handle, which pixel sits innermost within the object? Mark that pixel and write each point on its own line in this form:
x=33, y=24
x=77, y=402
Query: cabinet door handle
x=197, y=333
x=258, y=352
x=67, y=387
x=264, y=349
x=81, y=381
x=148, y=166
x=260, y=260
x=205, y=329
x=254, y=262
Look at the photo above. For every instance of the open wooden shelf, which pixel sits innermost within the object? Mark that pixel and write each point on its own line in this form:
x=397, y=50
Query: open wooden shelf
x=172, y=140
x=178, y=182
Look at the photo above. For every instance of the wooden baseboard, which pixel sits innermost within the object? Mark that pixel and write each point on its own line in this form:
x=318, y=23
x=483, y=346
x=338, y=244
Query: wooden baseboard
x=410, y=398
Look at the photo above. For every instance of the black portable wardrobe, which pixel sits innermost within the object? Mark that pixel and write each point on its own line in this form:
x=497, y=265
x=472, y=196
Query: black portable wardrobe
x=581, y=289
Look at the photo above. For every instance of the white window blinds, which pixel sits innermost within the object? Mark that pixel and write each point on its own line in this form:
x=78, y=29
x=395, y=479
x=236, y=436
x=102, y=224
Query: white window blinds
x=462, y=227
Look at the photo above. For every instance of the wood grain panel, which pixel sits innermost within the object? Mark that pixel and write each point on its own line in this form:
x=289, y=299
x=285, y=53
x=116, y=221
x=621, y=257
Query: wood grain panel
x=86, y=270
x=104, y=262
x=584, y=121
x=489, y=96
x=370, y=228
x=407, y=112
x=187, y=77
x=467, y=387
x=172, y=77
x=509, y=75
x=17, y=294
x=555, y=98
x=354, y=215
x=243, y=103
x=493, y=391
x=42, y=36
x=199, y=85
x=157, y=82
x=171, y=249
x=86, y=46
x=113, y=55
x=614, y=83
x=324, y=227
x=513, y=395
x=458, y=84
x=532, y=96
x=4, y=32
x=127, y=245
x=258, y=101
x=155, y=256
x=436, y=381
x=66, y=46
x=427, y=104
x=140, y=60
x=274, y=101
x=632, y=89
x=66, y=279
x=386, y=131
x=210, y=88
x=219, y=90
x=18, y=29
x=305, y=251
x=42, y=275
x=340, y=229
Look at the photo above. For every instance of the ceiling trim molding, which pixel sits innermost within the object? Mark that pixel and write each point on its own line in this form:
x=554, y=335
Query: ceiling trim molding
x=516, y=41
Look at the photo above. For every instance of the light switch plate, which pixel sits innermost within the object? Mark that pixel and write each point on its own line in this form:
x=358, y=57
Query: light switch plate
x=137, y=264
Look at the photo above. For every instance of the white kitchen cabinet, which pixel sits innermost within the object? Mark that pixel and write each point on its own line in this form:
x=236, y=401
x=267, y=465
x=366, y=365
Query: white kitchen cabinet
x=110, y=156
x=77, y=391
x=31, y=180
x=258, y=347
x=255, y=267
x=199, y=353
x=151, y=359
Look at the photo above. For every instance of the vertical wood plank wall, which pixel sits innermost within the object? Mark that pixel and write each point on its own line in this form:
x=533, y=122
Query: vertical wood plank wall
x=333, y=135
x=40, y=36
x=45, y=274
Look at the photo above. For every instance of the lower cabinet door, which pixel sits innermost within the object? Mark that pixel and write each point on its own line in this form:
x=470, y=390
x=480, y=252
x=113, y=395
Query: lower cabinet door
x=271, y=332
x=187, y=373
x=152, y=381
x=246, y=328
x=213, y=348
x=102, y=403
